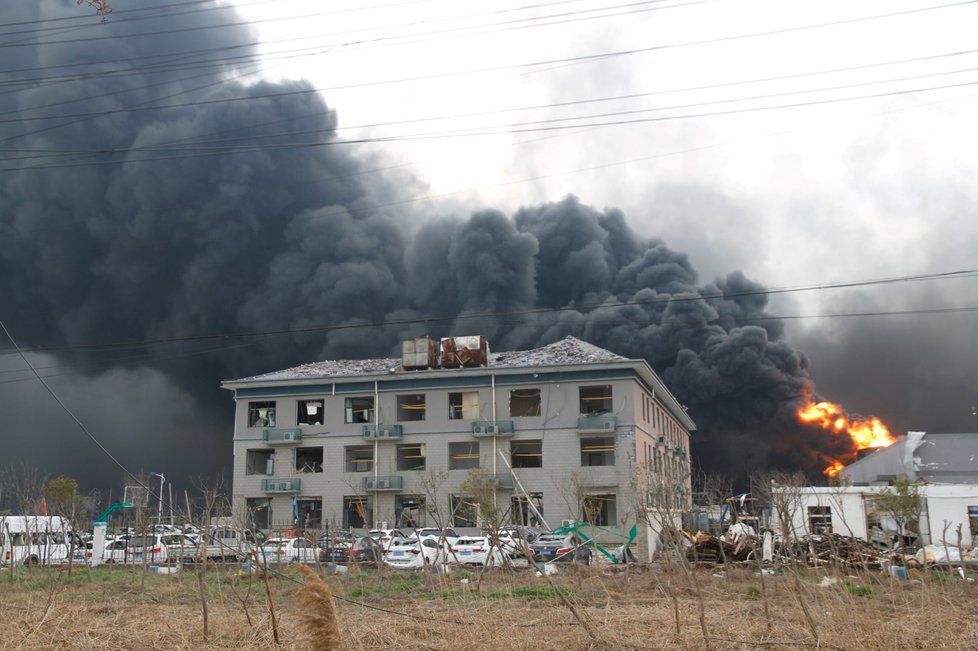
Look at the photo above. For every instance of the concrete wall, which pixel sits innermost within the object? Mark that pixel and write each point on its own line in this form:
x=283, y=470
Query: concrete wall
x=556, y=427
x=944, y=504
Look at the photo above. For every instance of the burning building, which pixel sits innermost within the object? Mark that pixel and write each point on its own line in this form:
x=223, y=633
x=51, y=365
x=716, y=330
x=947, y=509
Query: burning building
x=854, y=434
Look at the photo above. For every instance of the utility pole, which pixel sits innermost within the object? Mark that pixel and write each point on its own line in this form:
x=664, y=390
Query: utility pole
x=159, y=510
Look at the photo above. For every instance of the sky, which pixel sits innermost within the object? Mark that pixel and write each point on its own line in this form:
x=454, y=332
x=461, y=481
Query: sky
x=791, y=141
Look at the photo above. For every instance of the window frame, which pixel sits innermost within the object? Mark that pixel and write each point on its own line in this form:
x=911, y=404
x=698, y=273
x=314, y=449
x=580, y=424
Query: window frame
x=349, y=409
x=352, y=465
x=608, y=456
x=456, y=455
x=820, y=514
x=365, y=516
x=474, y=409
x=302, y=416
x=254, y=406
x=269, y=454
x=607, y=510
x=322, y=459
x=582, y=400
x=403, y=408
x=513, y=456
x=539, y=401
x=409, y=463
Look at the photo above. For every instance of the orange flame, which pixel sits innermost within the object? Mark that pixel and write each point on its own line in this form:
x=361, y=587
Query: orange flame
x=864, y=433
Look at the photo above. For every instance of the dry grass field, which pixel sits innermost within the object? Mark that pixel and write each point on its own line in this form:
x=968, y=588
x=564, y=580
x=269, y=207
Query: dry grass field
x=647, y=608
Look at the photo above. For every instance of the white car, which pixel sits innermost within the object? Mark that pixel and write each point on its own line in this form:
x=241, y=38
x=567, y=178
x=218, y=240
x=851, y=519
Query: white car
x=515, y=543
x=290, y=550
x=475, y=551
x=386, y=536
x=414, y=554
x=434, y=533
x=136, y=549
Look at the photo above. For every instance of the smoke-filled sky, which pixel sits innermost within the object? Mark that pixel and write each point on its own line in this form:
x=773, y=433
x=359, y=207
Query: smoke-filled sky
x=256, y=216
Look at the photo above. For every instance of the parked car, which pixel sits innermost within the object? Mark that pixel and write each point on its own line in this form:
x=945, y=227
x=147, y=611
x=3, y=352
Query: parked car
x=413, y=554
x=364, y=551
x=434, y=532
x=334, y=545
x=289, y=550
x=386, y=536
x=516, y=541
x=138, y=549
x=475, y=550
x=38, y=540
x=550, y=547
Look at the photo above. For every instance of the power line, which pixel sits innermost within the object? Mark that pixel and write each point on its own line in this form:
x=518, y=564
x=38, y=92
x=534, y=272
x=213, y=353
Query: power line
x=583, y=58
x=148, y=357
x=241, y=23
x=504, y=129
x=168, y=148
x=659, y=300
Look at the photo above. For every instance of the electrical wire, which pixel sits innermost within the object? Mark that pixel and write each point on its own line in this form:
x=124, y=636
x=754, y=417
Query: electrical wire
x=658, y=300
x=507, y=129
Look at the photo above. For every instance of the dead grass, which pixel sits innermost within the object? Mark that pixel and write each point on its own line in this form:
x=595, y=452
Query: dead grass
x=508, y=611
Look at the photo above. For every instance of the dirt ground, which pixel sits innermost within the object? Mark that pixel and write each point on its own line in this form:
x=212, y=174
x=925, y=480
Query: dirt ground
x=645, y=608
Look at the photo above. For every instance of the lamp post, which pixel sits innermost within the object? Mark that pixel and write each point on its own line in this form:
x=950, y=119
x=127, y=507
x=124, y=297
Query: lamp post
x=159, y=510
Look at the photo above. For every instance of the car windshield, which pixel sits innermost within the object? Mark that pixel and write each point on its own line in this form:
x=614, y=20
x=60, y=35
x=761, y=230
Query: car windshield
x=549, y=538
x=462, y=542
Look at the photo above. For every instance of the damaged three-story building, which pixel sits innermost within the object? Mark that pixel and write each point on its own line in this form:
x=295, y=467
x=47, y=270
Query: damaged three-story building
x=568, y=431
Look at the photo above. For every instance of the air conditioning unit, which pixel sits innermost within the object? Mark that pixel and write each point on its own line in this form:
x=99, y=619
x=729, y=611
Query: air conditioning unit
x=567, y=523
x=382, y=483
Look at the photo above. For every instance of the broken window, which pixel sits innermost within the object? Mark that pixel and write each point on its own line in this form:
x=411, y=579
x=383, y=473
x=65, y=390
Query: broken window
x=259, y=512
x=261, y=413
x=410, y=456
x=309, y=459
x=598, y=451
x=596, y=399
x=309, y=412
x=600, y=510
x=524, y=402
x=310, y=512
x=259, y=462
x=410, y=407
x=409, y=511
x=820, y=519
x=463, y=405
x=465, y=513
x=523, y=514
x=526, y=454
x=359, y=458
x=356, y=512
x=360, y=410
x=463, y=456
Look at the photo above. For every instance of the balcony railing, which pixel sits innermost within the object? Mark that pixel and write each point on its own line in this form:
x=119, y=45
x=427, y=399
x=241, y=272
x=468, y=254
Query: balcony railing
x=382, y=432
x=388, y=483
x=597, y=424
x=486, y=428
x=280, y=485
x=282, y=436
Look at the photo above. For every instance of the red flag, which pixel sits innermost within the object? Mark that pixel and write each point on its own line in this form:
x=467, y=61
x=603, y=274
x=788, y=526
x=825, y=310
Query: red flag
x=44, y=507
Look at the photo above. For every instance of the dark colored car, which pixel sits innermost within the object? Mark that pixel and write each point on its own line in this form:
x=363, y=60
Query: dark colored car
x=550, y=547
x=333, y=546
x=363, y=551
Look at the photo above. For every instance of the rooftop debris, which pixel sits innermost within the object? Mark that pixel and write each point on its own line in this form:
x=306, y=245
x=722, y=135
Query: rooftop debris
x=569, y=350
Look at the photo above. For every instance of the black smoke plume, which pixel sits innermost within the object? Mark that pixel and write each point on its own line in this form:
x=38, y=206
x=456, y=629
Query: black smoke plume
x=108, y=248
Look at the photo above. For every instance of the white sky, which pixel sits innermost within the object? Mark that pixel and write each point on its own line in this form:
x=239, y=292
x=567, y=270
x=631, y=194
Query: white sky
x=859, y=189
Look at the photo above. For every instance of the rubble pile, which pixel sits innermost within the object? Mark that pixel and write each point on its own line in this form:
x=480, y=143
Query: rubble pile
x=712, y=550
x=815, y=550
x=832, y=549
